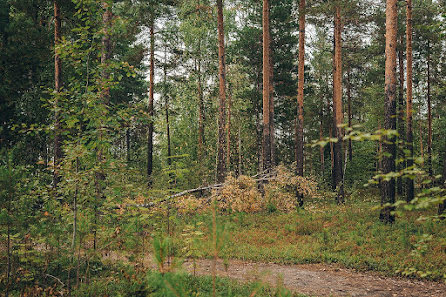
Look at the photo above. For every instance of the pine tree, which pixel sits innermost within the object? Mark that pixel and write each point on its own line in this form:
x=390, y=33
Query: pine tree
x=221, y=158
x=389, y=148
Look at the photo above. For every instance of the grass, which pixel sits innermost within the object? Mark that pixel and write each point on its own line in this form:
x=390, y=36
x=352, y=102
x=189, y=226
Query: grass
x=349, y=234
x=125, y=281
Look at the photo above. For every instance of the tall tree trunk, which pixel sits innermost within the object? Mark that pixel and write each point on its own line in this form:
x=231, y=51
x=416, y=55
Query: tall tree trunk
x=105, y=98
x=228, y=132
x=221, y=156
x=442, y=206
x=321, y=136
x=389, y=151
x=239, y=150
x=150, y=106
x=337, y=105
x=330, y=134
x=267, y=145
x=429, y=114
x=300, y=97
x=57, y=87
x=400, y=151
x=410, y=186
x=379, y=163
x=420, y=133
x=271, y=108
x=200, y=113
x=349, y=114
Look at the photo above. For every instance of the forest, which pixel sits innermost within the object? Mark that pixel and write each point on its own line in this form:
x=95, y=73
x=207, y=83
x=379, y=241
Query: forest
x=222, y=148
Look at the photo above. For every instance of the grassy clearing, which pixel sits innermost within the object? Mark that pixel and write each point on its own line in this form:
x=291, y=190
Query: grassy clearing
x=349, y=234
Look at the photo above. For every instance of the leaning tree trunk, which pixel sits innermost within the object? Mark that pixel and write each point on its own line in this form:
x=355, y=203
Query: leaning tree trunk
x=389, y=151
x=300, y=98
x=267, y=145
x=410, y=187
x=150, y=107
x=57, y=88
x=337, y=106
x=221, y=162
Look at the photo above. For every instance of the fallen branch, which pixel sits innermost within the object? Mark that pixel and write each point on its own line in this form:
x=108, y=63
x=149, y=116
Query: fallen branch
x=53, y=277
x=262, y=177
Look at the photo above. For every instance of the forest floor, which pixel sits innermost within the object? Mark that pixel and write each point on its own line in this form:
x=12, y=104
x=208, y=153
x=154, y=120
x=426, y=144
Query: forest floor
x=321, y=279
x=312, y=279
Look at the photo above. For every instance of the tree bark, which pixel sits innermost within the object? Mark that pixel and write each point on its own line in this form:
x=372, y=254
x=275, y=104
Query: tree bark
x=105, y=98
x=337, y=106
x=228, y=132
x=389, y=148
x=221, y=156
x=300, y=97
x=271, y=108
x=442, y=206
x=57, y=88
x=429, y=114
x=200, y=113
x=400, y=156
x=267, y=145
x=150, y=107
x=349, y=114
x=410, y=186
x=321, y=136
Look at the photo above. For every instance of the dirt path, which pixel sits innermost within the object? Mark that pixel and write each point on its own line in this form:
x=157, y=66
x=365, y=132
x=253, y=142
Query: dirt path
x=323, y=280
x=319, y=279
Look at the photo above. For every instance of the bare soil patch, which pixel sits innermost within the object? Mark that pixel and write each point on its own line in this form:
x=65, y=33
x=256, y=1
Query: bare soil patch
x=314, y=279
x=322, y=279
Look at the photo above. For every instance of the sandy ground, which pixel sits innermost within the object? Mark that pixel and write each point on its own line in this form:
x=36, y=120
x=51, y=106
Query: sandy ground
x=316, y=279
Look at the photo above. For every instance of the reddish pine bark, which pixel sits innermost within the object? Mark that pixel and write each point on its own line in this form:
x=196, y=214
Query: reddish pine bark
x=337, y=106
x=389, y=148
x=410, y=187
x=267, y=145
x=221, y=157
x=150, y=106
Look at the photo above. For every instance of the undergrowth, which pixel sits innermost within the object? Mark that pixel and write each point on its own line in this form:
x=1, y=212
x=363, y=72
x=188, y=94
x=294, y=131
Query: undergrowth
x=328, y=233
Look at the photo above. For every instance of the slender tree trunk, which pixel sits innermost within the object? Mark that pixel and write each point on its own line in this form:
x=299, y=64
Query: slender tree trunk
x=267, y=145
x=429, y=114
x=239, y=170
x=330, y=134
x=271, y=109
x=57, y=88
x=321, y=136
x=200, y=113
x=442, y=206
x=337, y=105
x=389, y=151
x=127, y=141
x=221, y=162
x=410, y=186
x=228, y=132
x=379, y=163
x=150, y=107
x=8, y=246
x=300, y=97
x=420, y=132
x=349, y=114
x=105, y=98
x=400, y=157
